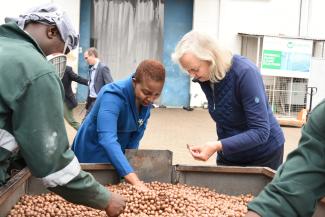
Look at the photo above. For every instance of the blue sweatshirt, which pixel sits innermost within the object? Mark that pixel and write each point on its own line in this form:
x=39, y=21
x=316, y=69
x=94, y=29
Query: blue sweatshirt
x=113, y=125
x=245, y=123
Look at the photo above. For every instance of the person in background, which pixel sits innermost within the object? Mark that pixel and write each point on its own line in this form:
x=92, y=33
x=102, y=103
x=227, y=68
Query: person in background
x=300, y=182
x=248, y=133
x=99, y=75
x=31, y=108
x=119, y=118
x=70, y=101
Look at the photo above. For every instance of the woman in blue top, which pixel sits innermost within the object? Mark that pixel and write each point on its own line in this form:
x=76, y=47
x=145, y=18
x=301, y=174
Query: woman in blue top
x=248, y=133
x=118, y=119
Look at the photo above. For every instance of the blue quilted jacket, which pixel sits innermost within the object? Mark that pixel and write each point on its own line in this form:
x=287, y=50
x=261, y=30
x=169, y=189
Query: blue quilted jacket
x=245, y=123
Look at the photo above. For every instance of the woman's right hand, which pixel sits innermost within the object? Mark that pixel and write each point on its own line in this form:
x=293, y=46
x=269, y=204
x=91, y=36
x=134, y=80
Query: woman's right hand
x=204, y=152
x=133, y=179
x=140, y=186
x=116, y=205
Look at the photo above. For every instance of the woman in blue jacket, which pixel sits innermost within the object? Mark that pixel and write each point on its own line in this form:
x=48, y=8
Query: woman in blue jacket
x=119, y=118
x=248, y=133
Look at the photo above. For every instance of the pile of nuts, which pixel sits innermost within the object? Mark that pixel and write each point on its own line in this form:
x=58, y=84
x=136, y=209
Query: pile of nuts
x=178, y=200
x=50, y=205
x=163, y=199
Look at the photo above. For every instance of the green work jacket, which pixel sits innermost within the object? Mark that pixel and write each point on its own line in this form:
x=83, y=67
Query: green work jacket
x=300, y=182
x=31, y=111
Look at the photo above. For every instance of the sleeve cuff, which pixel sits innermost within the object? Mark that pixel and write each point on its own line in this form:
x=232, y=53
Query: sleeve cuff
x=103, y=198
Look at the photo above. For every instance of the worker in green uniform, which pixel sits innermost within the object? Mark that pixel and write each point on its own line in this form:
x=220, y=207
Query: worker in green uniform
x=300, y=182
x=31, y=108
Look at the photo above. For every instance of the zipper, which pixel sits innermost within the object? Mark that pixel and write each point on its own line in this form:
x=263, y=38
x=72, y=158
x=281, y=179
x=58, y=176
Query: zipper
x=214, y=103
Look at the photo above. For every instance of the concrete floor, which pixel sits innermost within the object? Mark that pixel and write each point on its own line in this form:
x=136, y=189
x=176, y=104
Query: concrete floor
x=172, y=129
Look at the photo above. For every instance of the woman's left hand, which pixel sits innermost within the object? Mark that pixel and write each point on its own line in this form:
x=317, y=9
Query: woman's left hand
x=204, y=152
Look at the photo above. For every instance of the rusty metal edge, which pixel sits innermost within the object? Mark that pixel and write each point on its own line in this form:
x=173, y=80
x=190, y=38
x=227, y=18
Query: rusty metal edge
x=226, y=169
x=96, y=166
x=230, y=169
x=20, y=178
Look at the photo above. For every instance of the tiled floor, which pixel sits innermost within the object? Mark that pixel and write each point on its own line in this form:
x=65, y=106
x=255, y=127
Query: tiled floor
x=172, y=129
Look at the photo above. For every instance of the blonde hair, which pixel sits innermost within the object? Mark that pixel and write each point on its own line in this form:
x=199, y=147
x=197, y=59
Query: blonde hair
x=204, y=48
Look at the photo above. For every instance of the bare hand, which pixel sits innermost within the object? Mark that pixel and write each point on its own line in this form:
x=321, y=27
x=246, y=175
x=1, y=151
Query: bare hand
x=133, y=179
x=204, y=152
x=140, y=186
x=116, y=205
x=252, y=214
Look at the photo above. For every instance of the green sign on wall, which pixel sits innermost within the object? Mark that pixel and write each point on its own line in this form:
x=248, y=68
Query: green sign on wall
x=288, y=57
x=271, y=59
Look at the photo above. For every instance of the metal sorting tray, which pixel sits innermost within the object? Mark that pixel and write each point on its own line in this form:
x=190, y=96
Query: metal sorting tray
x=155, y=165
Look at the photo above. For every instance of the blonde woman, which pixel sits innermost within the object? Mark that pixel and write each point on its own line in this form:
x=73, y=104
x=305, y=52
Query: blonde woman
x=248, y=133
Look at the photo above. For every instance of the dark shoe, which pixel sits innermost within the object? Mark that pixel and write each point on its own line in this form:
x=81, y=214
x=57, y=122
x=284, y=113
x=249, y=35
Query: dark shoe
x=188, y=108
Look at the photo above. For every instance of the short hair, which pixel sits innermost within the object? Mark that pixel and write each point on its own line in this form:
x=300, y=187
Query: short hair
x=92, y=52
x=151, y=69
x=205, y=48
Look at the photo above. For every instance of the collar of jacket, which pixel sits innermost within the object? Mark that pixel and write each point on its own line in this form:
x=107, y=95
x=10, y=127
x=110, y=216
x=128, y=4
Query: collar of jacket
x=131, y=98
x=95, y=66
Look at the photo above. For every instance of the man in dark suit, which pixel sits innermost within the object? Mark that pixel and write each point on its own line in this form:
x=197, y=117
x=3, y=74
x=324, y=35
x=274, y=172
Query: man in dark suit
x=99, y=75
x=70, y=101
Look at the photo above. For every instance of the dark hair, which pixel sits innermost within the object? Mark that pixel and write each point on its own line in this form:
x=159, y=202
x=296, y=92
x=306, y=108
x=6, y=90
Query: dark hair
x=151, y=69
x=92, y=52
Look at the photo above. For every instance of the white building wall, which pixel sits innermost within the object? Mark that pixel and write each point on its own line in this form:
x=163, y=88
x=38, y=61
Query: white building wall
x=206, y=19
x=317, y=79
x=316, y=29
x=250, y=16
x=201, y=21
x=226, y=18
x=13, y=8
x=316, y=18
